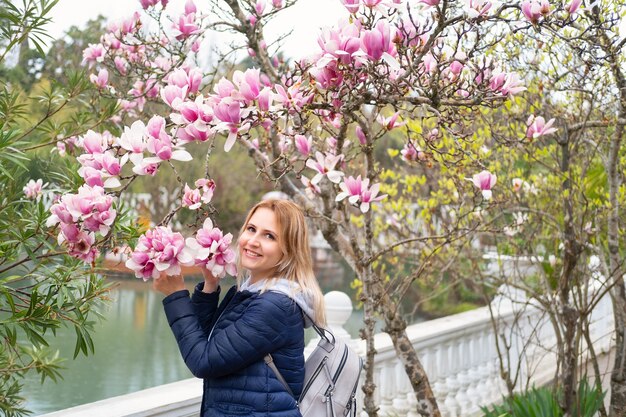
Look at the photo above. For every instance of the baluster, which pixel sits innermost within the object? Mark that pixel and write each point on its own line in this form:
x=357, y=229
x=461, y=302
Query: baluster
x=386, y=388
x=482, y=387
x=452, y=383
x=463, y=379
x=400, y=403
x=473, y=374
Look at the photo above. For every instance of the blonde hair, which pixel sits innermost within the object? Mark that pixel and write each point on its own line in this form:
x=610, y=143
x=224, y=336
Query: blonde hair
x=296, y=264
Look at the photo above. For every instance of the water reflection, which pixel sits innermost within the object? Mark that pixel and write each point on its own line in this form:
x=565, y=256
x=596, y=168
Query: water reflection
x=135, y=350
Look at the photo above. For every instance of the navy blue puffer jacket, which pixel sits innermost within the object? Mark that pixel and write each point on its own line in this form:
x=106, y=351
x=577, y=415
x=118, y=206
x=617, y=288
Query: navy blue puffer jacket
x=246, y=327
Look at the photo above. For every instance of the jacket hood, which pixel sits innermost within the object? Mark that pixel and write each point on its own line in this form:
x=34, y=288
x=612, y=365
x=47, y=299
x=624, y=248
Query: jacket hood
x=291, y=289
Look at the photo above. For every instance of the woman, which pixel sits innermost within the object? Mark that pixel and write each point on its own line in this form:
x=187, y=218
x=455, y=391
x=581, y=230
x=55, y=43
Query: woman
x=226, y=344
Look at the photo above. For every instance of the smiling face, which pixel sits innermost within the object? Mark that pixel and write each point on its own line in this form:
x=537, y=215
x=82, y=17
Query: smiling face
x=259, y=249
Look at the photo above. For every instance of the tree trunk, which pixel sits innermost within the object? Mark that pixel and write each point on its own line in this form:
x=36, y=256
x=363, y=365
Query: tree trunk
x=396, y=328
x=613, y=168
x=568, y=315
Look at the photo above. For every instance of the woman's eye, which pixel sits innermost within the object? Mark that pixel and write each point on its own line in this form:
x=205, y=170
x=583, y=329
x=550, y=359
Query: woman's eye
x=270, y=236
x=250, y=229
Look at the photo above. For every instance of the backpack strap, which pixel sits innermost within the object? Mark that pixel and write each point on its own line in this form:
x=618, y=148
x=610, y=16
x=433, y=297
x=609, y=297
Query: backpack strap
x=270, y=362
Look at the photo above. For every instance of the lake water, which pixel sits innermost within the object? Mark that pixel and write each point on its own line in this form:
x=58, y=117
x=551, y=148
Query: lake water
x=135, y=350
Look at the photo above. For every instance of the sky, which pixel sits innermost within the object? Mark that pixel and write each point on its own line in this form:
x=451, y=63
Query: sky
x=305, y=18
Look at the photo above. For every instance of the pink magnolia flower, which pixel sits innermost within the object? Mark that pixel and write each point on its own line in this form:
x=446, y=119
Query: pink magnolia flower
x=148, y=3
x=134, y=140
x=146, y=168
x=538, y=127
x=378, y=41
x=534, y=9
x=339, y=43
x=292, y=98
x=311, y=190
x=207, y=187
x=259, y=7
x=361, y=135
x=190, y=7
x=573, y=6
x=174, y=95
x=506, y=83
x=121, y=65
x=477, y=8
x=228, y=110
x=212, y=250
x=324, y=165
x=101, y=80
x=371, y=3
x=390, y=123
x=158, y=251
x=278, y=4
x=192, y=198
x=190, y=78
x=90, y=205
x=369, y=196
x=304, y=144
x=186, y=26
x=411, y=154
x=484, y=180
x=93, y=53
x=351, y=5
x=357, y=190
x=79, y=243
x=94, y=143
x=517, y=184
x=248, y=83
x=265, y=99
x=33, y=189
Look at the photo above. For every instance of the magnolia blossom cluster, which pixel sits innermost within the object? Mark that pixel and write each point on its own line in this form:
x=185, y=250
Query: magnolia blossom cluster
x=358, y=191
x=162, y=251
x=534, y=10
x=260, y=9
x=80, y=216
x=211, y=249
x=125, y=47
x=235, y=107
x=158, y=251
x=144, y=146
x=352, y=52
x=193, y=198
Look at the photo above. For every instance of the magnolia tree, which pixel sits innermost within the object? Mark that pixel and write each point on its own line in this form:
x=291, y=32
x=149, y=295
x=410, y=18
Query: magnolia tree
x=373, y=131
x=563, y=197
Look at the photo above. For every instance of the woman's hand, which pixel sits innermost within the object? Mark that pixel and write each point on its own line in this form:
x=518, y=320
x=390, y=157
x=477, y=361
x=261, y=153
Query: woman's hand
x=210, y=282
x=168, y=284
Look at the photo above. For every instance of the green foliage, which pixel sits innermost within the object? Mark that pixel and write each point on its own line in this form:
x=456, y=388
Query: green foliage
x=41, y=288
x=544, y=402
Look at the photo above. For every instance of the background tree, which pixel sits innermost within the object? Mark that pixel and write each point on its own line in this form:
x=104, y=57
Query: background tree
x=562, y=199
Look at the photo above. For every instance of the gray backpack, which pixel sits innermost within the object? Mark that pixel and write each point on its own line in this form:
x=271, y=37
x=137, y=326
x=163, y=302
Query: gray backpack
x=331, y=378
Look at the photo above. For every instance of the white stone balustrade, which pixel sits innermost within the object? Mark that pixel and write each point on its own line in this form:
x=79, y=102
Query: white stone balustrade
x=458, y=352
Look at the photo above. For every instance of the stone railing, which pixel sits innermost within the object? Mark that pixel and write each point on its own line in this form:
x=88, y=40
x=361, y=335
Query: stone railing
x=458, y=352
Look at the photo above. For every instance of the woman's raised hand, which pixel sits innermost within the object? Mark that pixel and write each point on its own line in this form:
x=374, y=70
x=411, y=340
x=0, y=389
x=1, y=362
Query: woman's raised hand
x=210, y=282
x=168, y=284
